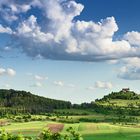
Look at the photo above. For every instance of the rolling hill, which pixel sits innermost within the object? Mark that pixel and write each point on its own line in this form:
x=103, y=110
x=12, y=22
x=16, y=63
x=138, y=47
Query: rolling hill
x=21, y=101
x=122, y=98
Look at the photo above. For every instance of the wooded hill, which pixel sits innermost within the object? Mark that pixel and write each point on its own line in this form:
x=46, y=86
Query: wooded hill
x=116, y=103
x=13, y=101
x=124, y=95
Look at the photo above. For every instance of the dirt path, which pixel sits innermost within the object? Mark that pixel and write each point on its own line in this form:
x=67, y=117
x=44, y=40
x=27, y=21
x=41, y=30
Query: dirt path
x=55, y=127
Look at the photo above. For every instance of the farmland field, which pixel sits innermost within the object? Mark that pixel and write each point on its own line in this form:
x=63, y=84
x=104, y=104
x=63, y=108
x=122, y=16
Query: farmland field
x=110, y=118
x=121, y=103
x=89, y=131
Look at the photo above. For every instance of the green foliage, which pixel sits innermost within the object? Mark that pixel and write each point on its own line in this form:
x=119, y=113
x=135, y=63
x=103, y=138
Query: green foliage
x=45, y=135
x=6, y=136
x=73, y=134
x=48, y=135
x=15, y=102
x=130, y=95
x=117, y=103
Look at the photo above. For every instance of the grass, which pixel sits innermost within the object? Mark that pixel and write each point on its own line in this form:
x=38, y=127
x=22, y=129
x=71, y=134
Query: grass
x=89, y=131
x=75, y=111
x=112, y=136
x=121, y=103
x=105, y=131
x=27, y=129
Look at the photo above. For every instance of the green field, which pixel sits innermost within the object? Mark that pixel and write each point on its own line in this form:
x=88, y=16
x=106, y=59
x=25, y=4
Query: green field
x=89, y=131
x=75, y=111
x=121, y=103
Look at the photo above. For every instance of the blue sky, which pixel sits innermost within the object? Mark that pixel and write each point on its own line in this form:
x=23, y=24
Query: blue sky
x=70, y=50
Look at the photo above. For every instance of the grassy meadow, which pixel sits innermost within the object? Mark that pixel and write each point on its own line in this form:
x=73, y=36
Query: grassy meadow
x=89, y=131
x=121, y=103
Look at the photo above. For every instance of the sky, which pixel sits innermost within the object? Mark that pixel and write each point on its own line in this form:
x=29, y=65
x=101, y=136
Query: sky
x=72, y=50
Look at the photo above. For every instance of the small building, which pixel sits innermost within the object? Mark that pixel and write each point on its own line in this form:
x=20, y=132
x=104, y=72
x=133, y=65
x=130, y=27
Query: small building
x=125, y=90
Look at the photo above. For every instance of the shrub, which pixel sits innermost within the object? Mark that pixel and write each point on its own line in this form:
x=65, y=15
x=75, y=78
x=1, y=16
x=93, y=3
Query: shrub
x=45, y=135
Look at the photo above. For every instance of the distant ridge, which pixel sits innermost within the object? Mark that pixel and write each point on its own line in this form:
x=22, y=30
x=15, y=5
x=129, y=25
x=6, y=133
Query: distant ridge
x=27, y=102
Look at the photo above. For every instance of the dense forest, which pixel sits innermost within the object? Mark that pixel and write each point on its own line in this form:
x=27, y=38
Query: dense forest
x=13, y=101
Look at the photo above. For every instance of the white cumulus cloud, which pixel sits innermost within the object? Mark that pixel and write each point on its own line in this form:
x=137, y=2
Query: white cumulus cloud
x=5, y=30
x=103, y=85
x=11, y=72
x=131, y=69
x=8, y=72
x=133, y=38
x=38, y=77
x=2, y=71
x=59, y=83
x=62, y=37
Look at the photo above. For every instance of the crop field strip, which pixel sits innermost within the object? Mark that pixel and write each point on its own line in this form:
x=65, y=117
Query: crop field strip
x=96, y=130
